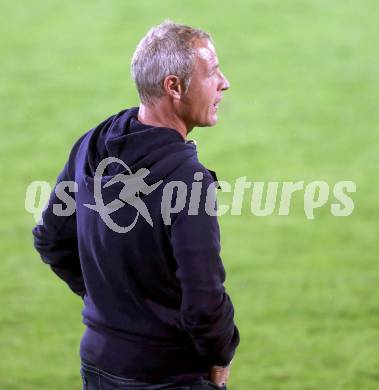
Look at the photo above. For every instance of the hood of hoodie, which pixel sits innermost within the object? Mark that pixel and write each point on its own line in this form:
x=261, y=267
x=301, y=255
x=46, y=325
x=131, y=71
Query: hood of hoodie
x=161, y=150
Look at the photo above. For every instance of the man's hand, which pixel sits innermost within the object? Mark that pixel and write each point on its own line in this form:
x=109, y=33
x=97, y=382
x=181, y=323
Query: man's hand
x=220, y=375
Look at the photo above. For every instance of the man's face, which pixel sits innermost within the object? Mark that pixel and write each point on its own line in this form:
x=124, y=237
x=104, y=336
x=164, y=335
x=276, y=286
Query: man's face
x=200, y=104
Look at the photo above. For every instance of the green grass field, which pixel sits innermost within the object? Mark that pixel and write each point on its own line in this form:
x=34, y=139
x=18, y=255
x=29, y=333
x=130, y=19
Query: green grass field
x=303, y=106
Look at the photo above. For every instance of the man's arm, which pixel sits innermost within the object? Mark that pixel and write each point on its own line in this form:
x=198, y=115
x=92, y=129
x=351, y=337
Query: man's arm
x=206, y=310
x=55, y=237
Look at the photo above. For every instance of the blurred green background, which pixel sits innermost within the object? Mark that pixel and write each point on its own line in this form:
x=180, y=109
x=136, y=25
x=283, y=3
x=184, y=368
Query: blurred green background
x=303, y=106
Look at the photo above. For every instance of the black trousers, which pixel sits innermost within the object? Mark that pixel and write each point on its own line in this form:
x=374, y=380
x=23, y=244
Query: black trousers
x=96, y=379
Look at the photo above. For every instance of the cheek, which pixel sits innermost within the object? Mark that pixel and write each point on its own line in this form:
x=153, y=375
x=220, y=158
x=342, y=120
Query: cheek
x=208, y=97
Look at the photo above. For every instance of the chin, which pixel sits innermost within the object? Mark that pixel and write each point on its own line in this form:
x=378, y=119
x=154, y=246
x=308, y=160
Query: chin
x=213, y=121
x=210, y=121
x=207, y=124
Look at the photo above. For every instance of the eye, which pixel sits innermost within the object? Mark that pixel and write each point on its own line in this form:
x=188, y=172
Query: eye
x=214, y=71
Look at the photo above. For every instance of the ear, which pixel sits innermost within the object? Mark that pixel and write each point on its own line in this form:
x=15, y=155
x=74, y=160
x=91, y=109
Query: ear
x=173, y=86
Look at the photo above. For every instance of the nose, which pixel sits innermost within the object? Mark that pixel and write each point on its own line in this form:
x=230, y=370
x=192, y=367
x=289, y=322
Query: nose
x=225, y=85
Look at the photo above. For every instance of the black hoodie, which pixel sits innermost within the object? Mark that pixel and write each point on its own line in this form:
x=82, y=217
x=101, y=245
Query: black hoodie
x=154, y=301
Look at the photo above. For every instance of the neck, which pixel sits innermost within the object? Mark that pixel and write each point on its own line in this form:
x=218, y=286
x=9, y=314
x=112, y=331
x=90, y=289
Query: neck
x=162, y=114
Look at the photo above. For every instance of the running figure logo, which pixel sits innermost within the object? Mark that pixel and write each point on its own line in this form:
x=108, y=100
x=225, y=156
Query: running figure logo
x=134, y=184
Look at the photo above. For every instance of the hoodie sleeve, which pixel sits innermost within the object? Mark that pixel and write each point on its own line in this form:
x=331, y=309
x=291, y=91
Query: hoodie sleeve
x=206, y=309
x=55, y=236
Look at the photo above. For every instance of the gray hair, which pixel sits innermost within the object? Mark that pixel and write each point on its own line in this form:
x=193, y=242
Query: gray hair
x=167, y=49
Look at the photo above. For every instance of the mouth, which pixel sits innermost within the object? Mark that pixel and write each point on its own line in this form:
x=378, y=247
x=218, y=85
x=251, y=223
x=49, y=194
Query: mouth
x=215, y=105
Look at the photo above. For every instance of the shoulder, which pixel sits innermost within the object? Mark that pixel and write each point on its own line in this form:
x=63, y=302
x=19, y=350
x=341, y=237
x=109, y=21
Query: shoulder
x=191, y=170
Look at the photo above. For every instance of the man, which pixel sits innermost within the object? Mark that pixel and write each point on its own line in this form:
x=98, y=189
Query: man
x=148, y=269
